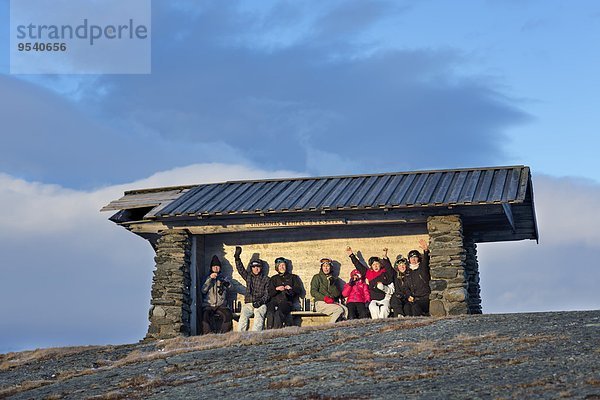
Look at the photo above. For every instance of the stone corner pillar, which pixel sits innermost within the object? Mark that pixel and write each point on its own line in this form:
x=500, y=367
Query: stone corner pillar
x=449, y=284
x=170, y=304
x=472, y=270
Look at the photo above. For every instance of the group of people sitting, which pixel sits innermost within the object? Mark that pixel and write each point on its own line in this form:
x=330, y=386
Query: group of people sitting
x=379, y=290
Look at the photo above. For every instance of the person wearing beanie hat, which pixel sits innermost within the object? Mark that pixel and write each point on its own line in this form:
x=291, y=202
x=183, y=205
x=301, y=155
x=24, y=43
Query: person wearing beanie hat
x=216, y=317
x=284, y=289
x=380, y=279
x=325, y=291
x=418, y=279
x=399, y=302
x=356, y=292
x=215, y=261
x=257, y=292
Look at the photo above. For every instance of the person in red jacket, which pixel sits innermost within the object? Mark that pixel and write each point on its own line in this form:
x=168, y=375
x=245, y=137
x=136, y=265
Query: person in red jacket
x=356, y=292
x=380, y=278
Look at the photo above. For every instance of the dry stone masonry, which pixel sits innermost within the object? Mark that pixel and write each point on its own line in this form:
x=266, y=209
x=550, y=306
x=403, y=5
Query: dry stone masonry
x=449, y=285
x=170, y=305
x=472, y=270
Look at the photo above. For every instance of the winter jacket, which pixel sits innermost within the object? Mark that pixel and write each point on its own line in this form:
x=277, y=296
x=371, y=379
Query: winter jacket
x=257, y=286
x=385, y=275
x=215, y=293
x=323, y=285
x=418, y=279
x=401, y=284
x=289, y=296
x=357, y=292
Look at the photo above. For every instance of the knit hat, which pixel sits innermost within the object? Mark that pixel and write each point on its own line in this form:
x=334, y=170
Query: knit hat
x=356, y=273
x=278, y=261
x=327, y=261
x=400, y=260
x=215, y=261
x=414, y=253
x=373, y=259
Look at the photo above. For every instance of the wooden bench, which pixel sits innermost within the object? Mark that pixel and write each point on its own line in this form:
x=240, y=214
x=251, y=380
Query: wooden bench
x=300, y=318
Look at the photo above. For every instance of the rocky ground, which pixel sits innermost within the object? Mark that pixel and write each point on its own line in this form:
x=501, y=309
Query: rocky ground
x=542, y=355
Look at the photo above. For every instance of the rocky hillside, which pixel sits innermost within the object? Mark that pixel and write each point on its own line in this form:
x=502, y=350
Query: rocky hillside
x=545, y=355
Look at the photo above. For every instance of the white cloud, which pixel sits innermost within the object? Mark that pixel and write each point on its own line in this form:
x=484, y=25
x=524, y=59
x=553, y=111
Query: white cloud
x=70, y=276
x=559, y=273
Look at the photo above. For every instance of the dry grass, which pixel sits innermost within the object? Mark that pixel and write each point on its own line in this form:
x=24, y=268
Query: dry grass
x=340, y=354
x=539, y=338
x=22, y=387
x=13, y=360
x=406, y=323
x=424, y=346
x=593, y=381
x=288, y=383
x=416, y=377
x=317, y=396
x=112, y=395
x=536, y=383
x=292, y=355
x=474, y=340
x=140, y=382
x=171, y=369
x=171, y=347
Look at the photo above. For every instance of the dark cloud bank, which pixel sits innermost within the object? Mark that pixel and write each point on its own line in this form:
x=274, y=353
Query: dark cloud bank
x=286, y=87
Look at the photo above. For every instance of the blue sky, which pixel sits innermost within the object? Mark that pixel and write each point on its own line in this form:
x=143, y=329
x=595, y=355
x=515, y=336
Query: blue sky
x=277, y=88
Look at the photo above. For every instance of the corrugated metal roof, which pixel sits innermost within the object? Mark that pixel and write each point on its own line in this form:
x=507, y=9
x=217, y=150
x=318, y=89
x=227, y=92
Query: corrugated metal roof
x=494, y=185
x=146, y=198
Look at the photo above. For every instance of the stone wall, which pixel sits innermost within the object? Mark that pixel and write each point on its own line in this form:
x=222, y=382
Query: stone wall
x=472, y=271
x=449, y=285
x=170, y=305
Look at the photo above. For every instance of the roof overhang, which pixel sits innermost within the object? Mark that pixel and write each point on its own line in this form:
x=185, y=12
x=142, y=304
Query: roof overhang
x=507, y=212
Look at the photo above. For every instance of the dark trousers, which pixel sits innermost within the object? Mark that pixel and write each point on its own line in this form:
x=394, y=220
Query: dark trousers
x=357, y=310
x=278, y=314
x=216, y=320
x=419, y=307
x=400, y=307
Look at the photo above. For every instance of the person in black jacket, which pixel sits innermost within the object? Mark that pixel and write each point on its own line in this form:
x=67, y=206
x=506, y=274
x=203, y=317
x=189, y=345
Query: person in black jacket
x=399, y=303
x=257, y=292
x=284, y=289
x=418, y=280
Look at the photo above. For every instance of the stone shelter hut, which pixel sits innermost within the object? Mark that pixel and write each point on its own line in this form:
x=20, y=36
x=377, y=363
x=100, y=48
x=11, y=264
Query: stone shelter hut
x=305, y=219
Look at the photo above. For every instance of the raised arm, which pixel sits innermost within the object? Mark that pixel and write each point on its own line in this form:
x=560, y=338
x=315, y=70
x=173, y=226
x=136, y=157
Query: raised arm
x=238, y=263
x=357, y=264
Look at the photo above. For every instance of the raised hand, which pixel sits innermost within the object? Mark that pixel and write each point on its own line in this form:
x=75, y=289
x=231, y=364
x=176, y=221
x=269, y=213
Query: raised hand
x=349, y=251
x=423, y=245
